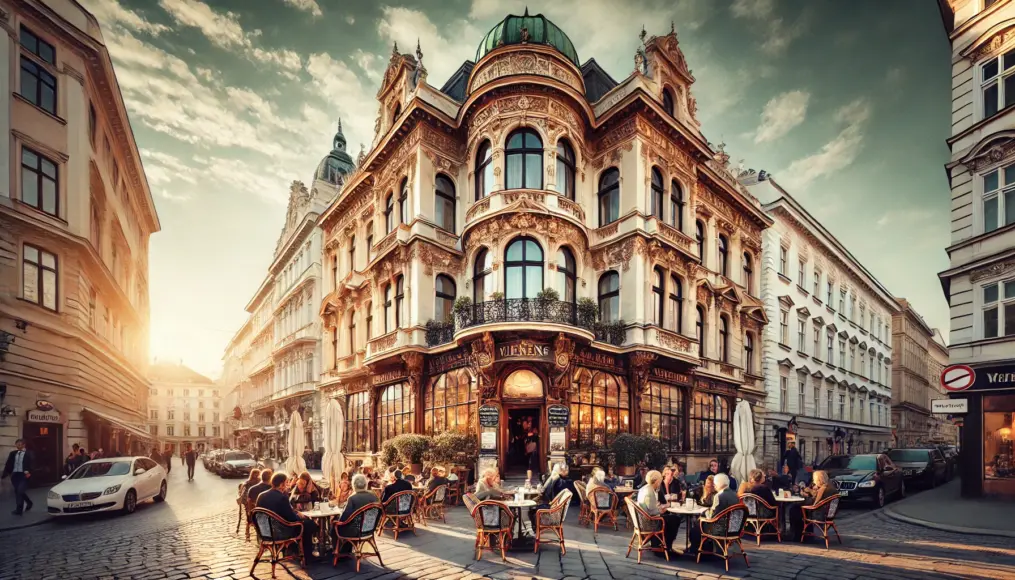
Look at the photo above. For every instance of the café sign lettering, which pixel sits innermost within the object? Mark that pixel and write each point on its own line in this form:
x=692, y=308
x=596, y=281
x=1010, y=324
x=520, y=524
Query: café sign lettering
x=670, y=376
x=591, y=358
x=37, y=416
x=524, y=349
x=448, y=361
x=388, y=377
x=985, y=378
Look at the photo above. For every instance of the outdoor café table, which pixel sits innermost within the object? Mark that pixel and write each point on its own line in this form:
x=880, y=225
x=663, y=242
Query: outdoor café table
x=689, y=514
x=322, y=516
x=517, y=506
x=785, y=508
x=528, y=492
x=622, y=492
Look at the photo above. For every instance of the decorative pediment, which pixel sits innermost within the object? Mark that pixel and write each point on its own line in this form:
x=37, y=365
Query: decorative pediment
x=785, y=300
x=786, y=363
x=844, y=384
x=755, y=313
x=819, y=321
x=990, y=42
x=995, y=149
x=804, y=369
x=818, y=374
x=732, y=293
x=844, y=334
x=832, y=378
x=862, y=389
x=803, y=312
x=863, y=345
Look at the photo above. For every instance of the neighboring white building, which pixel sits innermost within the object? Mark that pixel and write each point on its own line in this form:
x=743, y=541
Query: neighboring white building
x=827, y=352
x=184, y=408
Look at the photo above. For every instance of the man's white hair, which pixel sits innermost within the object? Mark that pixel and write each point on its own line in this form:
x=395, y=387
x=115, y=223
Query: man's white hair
x=721, y=481
x=359, y=482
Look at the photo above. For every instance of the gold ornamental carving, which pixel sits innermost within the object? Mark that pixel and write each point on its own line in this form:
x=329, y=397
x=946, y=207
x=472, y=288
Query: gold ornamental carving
x=667, y=257
x=661, y=149
x=675, y=342
x=704, y=295
x=555, y=229
x=617, y=135
x=707, y=196
x=482, y=358
x=618, y=253
x=413, y=370
x=641, y=365
x=525, y=63
x=480, y=207
x=434, y=257
x=563, y=360
x=992, y=46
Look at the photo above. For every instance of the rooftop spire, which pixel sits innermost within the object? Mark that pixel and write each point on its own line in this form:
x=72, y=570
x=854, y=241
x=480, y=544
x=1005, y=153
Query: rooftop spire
x=526, y=11
x=340, y=124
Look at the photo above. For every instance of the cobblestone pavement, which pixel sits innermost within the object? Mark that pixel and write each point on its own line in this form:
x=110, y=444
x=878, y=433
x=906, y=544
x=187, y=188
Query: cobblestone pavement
x=206, y=546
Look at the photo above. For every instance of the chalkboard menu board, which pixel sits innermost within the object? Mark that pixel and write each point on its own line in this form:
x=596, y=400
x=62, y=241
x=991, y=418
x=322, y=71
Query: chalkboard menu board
x=558, y=415
x=489, y=416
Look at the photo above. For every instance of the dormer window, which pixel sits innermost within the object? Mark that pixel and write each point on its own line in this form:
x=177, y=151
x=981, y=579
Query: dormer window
x=668, y=103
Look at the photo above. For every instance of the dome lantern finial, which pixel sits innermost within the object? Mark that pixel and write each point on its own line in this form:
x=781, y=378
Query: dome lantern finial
x=673, y=27
x=526, y=10
x=642, y=34
x=340, y=125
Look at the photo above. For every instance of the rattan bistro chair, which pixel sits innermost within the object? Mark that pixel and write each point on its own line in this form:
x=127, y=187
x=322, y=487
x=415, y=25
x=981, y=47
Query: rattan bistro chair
x=552, y=520
x=274, y=535
x=493, y=520
x=822, y=516
x=585, y=513
x=248, y=506
x=433, y=504
x=398, y=513
x=646, y=528
x=724, y=530
x=759, y=515
x=470, y=501
x=454, y=492
x=602, y=507
x=359, y=531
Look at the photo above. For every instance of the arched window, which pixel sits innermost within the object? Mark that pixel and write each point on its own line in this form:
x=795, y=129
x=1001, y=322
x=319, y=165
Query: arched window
x=352, y=332
x=609, y=196
x=444, y=203
x=658, y=292
x=369, y=321
x=370, y=240
x=600, y=409
x=389, y=213
x=724, y=339
x=700, y=330
x=662, y=415
x=399, y=301
x=676, y=205
x=403, y=202
x=749, y=354
x=676, y=304
x=668, y=103
x=445, y=293
x=748, y=272
x=357, y=423
x=480, y=270
x=524, y=160
x=352, y=253
x=484, y=171
x=389, y=310
x=699, y=236
x=657, y=194
x=609, y=297
x=724, y=248
x=395, y=409
x=523, y=268
x=565, y=169
x=450, y=403
x=567, y=275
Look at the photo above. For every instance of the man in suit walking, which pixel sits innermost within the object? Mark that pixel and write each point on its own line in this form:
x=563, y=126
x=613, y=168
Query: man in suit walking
x=191, y=458
x=19, y=467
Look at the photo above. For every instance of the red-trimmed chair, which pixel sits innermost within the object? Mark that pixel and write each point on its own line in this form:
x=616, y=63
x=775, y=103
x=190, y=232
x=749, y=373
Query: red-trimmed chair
x=493, y=520
x=274, y=535
x=646, y=528
x=759, y=515
x=602, y=507
x=822, y=516
x=724, y=530
x=398, y=513
x=359, y=531
x=552, y=520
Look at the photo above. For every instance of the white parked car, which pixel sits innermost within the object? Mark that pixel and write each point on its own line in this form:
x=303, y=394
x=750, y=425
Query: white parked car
x=116, y=483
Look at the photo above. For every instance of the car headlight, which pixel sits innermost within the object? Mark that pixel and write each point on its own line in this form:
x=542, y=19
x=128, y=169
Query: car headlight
x=870, y=483
x=52, y=495
x=112, y=489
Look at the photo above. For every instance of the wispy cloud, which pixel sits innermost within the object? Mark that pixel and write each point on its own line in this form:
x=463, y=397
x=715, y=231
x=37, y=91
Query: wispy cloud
x=776, y=34
x=310, y=6
x=781, y=114
x=836, y=154
x=905, y=218
x=110, y=11
x=757, y=9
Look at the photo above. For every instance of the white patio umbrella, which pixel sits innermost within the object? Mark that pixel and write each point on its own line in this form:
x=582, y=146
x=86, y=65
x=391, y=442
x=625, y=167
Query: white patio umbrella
x=743, y=440
x=297, y=440
x=333, y=462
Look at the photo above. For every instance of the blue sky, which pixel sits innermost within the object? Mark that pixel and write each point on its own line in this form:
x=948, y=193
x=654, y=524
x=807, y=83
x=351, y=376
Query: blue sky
x=847, y=104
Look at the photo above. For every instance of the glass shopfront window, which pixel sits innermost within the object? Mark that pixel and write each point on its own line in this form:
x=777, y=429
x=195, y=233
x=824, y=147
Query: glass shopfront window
x=357, y=423
x=662, y=415
x=600, y=409
x=711, y=423
x=394, y=412
x=450, y=402
x=998, y=435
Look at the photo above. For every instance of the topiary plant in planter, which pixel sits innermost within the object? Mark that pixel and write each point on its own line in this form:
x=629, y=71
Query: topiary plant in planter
x=412, y=447
x=588, y=313
x=545, y=301
x=389, y=455
x=628, y=450
x=463, y=311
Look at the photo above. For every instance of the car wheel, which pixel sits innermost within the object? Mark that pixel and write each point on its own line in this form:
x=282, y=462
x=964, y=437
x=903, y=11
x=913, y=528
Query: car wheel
x=130, y=502
x=879, y=499
x=162, y=492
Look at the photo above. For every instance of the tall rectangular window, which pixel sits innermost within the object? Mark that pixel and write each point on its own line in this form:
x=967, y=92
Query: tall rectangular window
x=39, y=180
x=999, y=197
x=828, y=399
x=802, y=274
x=997, y=83
x=38, y=84
x=801, y=396
x=783, y=393
x=817, y=284
x=817, y=341
x=801, y=335
x=831, y=345
x=842, y=353
x=817, y=399
x=999, y=309
x=784, y=327
x=783, y=260
x=39, y=277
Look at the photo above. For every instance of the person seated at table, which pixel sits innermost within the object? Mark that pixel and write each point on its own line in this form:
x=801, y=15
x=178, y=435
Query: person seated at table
x=708, y=492
x=341, y=495
x=758, y=487
x=548, y=490
x=639, y=480
x=745, y=487
x=678, y=474
x=713, y=469
x=360, y=498
x=375, y=480
x=252, y=480
x=784, y=481
x=305, y=493
x=399, y=484
x=670, y=486
x=488, y=486
x=596, y=479
x=612, y=480
x=437, y=479
x=258, y=488
x=277, y=501
x=648, y=500
x=821, y=490
x=724, y=498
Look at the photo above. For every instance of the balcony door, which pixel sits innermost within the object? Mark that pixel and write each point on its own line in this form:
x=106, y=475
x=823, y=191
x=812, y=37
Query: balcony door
x=523, y=269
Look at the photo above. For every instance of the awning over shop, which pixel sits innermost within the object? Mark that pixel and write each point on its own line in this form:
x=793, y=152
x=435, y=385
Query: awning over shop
x=133, y=430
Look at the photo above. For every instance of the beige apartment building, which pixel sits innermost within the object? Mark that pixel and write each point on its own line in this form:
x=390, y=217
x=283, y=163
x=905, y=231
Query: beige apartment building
x=911, y=337
x=184, y=408
x=76, y=215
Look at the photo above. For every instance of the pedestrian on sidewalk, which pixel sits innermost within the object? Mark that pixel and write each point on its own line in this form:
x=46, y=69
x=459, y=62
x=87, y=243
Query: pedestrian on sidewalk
x=792, y=460
x=19, y=468
x=190, y=457
x=168, y=455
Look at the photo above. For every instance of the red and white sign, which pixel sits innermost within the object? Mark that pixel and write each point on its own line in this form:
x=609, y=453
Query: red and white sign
x=958, y=377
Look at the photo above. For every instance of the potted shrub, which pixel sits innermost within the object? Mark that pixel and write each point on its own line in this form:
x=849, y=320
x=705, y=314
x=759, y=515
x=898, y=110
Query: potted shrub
x=588, y=313
x=655, y=452
x=412, y=447
x=389, y=455
x=628, y=450
x=545, y=301
x=497, y=308
x=616, y=332
x=463, y=311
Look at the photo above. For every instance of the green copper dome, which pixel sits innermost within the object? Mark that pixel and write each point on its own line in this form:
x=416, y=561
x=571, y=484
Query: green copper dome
x=527, y=29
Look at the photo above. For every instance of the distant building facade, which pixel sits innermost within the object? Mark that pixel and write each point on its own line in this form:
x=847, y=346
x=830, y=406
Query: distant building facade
x=184, y=409
x=76, y=215
x=912, y=392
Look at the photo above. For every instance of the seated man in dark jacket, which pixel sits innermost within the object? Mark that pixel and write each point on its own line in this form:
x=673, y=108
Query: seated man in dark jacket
x=259, y=488
x=724, y=498
x=278, y=502
x=758, y=487
x=396, y=486
x=437, y=479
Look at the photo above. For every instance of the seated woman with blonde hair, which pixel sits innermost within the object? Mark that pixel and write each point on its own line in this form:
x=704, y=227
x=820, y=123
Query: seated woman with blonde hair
x=708, y=492
x=819, y=491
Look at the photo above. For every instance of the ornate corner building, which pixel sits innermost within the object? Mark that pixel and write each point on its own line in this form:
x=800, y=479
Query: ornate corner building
x=76, y=215
x=980, y=280
x=536, y=235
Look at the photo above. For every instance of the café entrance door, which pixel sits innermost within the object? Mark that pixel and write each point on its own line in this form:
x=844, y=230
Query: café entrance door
x=523, y=431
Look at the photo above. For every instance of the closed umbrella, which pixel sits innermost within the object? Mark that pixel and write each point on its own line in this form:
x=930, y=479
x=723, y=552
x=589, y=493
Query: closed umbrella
x=743, y=440
x=297, y=440
x=333, y=425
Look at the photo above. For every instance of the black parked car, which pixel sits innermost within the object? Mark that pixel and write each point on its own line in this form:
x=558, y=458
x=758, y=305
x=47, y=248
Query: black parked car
x=865, y=477
x=925, y=467
x=951, y=455
x=236, y=464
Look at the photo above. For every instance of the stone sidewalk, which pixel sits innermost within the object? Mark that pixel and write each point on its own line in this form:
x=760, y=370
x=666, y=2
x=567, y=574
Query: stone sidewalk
x=944, y=508
x=37, y=515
